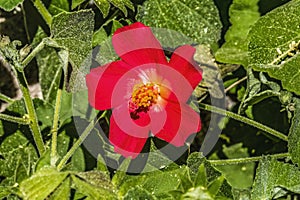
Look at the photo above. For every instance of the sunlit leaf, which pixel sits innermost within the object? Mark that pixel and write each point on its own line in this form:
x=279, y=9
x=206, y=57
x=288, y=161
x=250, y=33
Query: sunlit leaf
x=104, y=5
x=9, y=5
x=42, y=184
x=95, y=185
x=17, y=156
x=198, y=20
x=294, y=135
x=238, y=175
x=242, y=14
x=74, y=32
x=274, y=45
x=272, y=174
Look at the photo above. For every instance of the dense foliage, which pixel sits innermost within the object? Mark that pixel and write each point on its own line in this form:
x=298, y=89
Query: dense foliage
x=249, y=47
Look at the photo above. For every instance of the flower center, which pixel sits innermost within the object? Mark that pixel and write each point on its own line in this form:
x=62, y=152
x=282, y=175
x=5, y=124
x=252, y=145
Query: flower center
x=143, y=97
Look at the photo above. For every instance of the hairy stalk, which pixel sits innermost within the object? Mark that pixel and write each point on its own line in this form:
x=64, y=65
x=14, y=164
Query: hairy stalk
x=18, y=120
x=244, y=120
x=78, y=142
x=236, y=161
x=33, y=53
x=43, y=11
x=33, y=122
x=6, y=98
x=54, y=130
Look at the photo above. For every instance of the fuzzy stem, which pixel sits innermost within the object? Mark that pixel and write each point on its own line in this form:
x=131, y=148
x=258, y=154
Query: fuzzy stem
x=54, y=155
x=236, y=161
x=33, y=122
x=18, y=120
x=43, y=11
x=244, y=120
x=6, y=98
x=34, y=52
x=78, y=142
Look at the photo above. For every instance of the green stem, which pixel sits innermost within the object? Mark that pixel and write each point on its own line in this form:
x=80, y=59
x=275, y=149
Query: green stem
x=244, y=120
x=76, y=145
x=236, y=161
x=34, y=52
x=43, y=11
x=35, y=129
x=54, y=155
x=6, y=98
x=18, y=120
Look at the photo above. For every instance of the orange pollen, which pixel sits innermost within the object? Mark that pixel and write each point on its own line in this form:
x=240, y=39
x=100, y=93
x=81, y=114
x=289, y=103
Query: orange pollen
x=143, y=97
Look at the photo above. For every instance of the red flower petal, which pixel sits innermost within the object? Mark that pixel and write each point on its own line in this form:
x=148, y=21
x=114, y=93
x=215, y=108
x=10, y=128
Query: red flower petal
x=181, y=122
x=101, y=83
x=182, y=60
x=177, y=87
x=127, y=136
x=137, y=45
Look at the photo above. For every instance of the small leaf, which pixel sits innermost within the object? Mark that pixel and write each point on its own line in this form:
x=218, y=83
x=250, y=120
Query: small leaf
x=103, y=6
x=239, y=175
x=215, y=186
x=121, y=5
x=271, y=174
x=294, y=135
x=274, y=45
x=77, y=160
x=74, y=32
x=243, y=14
x=138, y=193
x=201, y=178
x=197, y=193
x=198, y=20
x=42, y=183
x=58, y=6
x=17, y=157
x=99, y=37
x=63, y=191
x=94, y=185
x=9, y=5
x=76, y=3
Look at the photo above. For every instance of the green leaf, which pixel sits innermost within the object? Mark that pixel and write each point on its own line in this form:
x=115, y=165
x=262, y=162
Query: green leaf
x=214, y=177
x=274, y=45
x=9, y=5
x=95, y=185
x=138, y=193
x=121, y=5
x=17, y=157
x=74, y=32
x=78, y=161
x=239, y=175
x=272, y=174
x=63, y=191
x=198, y=20
x=99, y=37
x=104, y=6
x=42, y=183
x=197, y=193
x=243, y=14
x=294, y=135
x=58, y=6
x=76, y=3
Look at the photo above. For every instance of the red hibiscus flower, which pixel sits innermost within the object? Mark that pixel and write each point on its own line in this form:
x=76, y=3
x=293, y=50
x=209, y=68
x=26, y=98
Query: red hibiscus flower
x=147, y=93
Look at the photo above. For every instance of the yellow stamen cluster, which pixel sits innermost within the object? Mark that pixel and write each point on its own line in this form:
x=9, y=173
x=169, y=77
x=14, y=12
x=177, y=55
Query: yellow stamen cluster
x=145, y=95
